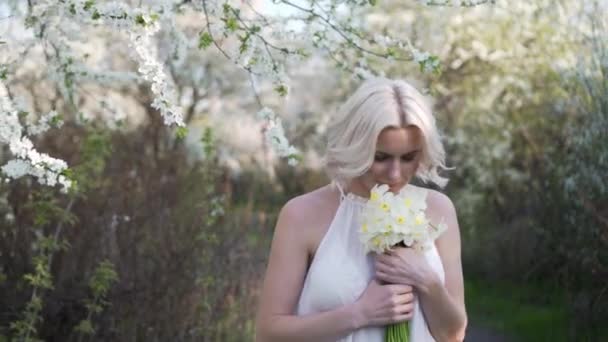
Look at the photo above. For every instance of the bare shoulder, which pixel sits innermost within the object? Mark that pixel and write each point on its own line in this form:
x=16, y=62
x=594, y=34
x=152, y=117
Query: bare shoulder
x=440, y=209
x=306, y=216
x=301, y=209
x=440, y=206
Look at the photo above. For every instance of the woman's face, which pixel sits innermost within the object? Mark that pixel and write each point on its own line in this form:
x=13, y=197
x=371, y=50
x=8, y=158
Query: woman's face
x=397, y=156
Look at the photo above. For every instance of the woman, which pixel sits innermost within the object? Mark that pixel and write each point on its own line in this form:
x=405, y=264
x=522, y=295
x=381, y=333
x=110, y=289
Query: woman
x=320, y=285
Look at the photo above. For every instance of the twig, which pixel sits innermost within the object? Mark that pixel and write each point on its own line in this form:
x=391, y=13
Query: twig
x=348, y=39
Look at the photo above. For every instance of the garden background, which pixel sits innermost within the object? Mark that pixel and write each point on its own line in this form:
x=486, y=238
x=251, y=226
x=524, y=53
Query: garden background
x=140, y=189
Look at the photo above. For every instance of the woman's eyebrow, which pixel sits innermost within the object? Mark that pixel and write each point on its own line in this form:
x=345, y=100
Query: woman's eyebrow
x=405, y=154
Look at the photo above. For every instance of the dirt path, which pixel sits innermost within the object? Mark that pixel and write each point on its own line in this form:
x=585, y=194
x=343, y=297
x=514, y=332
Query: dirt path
x=480, y=334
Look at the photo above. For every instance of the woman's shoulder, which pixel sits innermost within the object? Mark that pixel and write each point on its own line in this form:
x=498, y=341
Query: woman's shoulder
x=440, y=209
x=439, y=205
x=305, y=217
x=304, y=206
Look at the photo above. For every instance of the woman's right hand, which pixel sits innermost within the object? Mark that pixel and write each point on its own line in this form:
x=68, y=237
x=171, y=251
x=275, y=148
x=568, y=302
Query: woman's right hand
x=385, y=304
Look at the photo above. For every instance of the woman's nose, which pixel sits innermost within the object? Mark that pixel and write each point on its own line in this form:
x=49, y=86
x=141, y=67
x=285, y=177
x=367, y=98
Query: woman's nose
x=394, y=172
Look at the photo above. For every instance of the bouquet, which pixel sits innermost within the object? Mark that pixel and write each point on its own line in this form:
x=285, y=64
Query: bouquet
x=390, y=220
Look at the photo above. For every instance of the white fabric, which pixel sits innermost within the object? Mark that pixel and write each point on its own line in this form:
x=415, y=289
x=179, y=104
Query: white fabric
x=341, y=270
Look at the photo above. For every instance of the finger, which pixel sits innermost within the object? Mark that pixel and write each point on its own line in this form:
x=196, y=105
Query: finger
x=402, y=318
x=388, y=278
x=383, y=267
x=407, y=288
x=402, y=312
x=382, y=258
x=395, y=251
x=405, y=309
x=402, y=299
x=400, y=289
x=389, y=262
x=405, y=298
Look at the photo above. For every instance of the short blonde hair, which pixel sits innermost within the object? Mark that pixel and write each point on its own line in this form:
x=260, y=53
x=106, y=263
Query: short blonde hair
x=377, y=104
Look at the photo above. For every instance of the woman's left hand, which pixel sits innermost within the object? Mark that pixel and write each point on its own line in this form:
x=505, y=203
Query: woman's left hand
x=403, y=265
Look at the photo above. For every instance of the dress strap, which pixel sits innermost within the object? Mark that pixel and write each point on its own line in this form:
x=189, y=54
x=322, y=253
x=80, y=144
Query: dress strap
x=342, y=195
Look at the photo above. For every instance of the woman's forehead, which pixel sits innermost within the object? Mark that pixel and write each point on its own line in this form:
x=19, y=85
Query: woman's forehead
x=399, y=139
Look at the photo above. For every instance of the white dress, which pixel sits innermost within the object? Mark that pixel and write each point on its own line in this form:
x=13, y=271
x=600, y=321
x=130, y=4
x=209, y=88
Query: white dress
x=341, y=270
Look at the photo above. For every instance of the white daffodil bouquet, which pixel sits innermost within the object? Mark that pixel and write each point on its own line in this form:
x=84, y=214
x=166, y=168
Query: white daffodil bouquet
x=390, y=220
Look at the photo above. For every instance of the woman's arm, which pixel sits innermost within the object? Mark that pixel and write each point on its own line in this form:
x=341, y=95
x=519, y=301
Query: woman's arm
x=283, y=283
x=443, y=305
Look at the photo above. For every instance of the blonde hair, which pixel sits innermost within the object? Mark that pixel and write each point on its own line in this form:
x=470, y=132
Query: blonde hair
x=377, y=104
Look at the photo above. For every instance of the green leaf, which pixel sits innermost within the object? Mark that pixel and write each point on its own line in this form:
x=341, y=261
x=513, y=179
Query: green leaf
x=244, y=46
x=181, y=132
x=55, y=120
x=86, y=327
x=88, y=4
x=204, y=40
x=139, y=20
x=30, y=21
x=281, y=89
x=96, y=15
x=227, y=8
x=431, y=65
x=302, y=52
x=255, y=29
x=296, y=157
x=232, y=24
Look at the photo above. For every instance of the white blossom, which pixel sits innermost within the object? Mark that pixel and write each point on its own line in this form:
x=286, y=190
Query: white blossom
x=275, y=136
x=45, y=122
x=44, y=168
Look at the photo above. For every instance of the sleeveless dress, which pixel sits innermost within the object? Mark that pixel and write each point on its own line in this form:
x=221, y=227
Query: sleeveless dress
x=341, y=270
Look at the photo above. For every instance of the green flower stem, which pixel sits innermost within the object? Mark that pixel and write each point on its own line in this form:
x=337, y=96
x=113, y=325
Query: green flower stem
x=399, y=332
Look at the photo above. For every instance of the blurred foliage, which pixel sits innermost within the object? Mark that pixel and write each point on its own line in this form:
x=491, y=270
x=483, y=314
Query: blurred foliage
x=527, y=131
x=514, y=310
x=140, y=250
x=153, y=245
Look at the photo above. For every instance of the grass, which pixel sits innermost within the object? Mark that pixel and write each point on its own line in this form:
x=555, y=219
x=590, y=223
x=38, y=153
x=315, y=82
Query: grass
x=525, y=313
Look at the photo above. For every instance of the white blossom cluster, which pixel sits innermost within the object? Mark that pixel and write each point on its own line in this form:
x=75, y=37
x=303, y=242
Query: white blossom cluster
x=264, y=46
x=455, y=3
x=44, y=123
x=428, y=63
x=275, y=136
x=140, y=25
x=45, y=169
x=152, y=71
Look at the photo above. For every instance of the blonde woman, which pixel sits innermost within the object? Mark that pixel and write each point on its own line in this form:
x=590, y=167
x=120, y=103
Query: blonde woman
x=320, y=285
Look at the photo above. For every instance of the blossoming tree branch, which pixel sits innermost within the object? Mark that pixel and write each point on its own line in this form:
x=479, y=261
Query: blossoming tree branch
x=61, y=44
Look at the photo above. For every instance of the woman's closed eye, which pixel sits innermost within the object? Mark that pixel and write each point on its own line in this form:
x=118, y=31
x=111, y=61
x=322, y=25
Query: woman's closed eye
x=380, y=157
x=408, y=157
